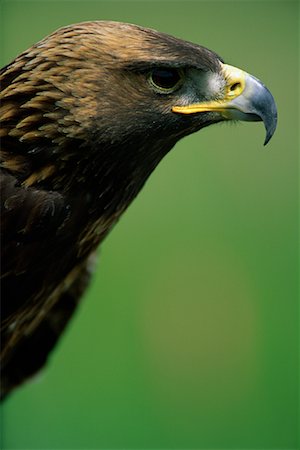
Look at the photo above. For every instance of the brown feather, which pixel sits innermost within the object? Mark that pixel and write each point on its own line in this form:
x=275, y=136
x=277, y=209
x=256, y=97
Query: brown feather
x=81, y=132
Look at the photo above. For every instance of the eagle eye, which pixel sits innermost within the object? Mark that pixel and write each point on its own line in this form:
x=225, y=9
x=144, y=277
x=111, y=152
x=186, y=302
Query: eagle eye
x=165, y=80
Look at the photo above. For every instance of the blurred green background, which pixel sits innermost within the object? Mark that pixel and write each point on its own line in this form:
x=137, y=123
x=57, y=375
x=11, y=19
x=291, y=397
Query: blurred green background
x=188, y=335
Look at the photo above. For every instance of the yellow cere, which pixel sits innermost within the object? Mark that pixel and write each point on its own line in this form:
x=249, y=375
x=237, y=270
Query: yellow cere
x=235, y=85
x=235, y=81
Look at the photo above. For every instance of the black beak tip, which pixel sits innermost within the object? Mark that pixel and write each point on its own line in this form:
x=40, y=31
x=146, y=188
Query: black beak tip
x=270, y=125
x=268, y=112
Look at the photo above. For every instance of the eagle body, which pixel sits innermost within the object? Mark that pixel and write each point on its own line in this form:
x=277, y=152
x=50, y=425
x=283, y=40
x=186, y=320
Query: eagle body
x=86, y=115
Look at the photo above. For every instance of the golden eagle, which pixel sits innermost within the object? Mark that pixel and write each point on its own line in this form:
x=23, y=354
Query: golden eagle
x=86, y=115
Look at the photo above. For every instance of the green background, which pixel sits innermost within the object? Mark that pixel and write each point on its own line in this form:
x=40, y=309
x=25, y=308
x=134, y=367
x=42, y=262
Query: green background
x=188, y=334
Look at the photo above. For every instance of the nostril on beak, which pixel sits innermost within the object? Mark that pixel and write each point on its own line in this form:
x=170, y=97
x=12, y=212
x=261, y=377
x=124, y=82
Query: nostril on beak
x=235, y=86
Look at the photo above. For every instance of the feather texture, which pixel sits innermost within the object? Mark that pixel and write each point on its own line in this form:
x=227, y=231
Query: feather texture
x=81, y=131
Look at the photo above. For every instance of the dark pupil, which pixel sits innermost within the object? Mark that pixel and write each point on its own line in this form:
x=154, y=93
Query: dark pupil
x=165, y=78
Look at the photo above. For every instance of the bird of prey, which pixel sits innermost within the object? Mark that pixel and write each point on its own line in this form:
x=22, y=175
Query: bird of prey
x=86, y=115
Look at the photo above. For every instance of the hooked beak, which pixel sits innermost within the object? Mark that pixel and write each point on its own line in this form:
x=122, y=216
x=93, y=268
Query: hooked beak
x=245, y=98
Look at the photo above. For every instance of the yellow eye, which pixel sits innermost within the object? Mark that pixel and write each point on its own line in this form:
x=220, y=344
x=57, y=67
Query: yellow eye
x=165, y=80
